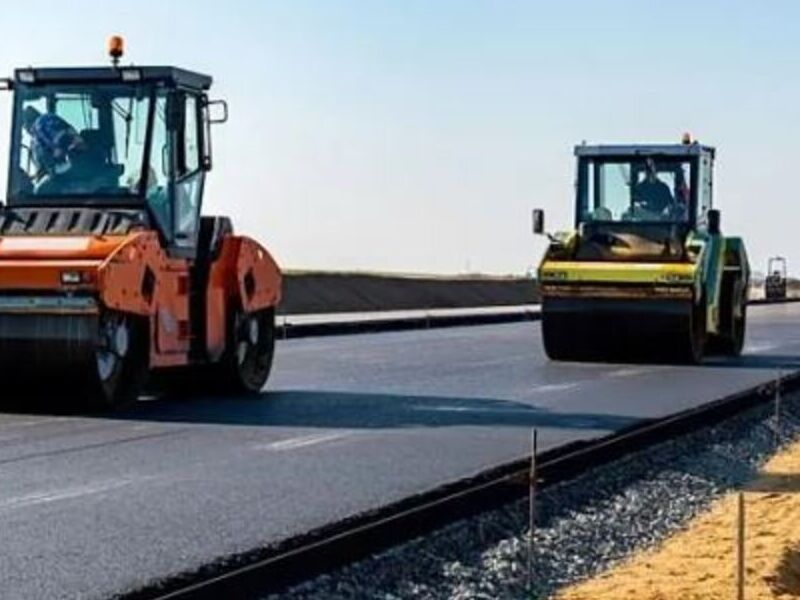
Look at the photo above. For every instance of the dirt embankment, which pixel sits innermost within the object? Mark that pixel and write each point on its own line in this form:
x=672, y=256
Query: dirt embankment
x=319, y=292
x=308, y=292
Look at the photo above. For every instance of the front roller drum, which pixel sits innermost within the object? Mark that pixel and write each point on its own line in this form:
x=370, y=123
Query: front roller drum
x=100, y=361
x=604, y=331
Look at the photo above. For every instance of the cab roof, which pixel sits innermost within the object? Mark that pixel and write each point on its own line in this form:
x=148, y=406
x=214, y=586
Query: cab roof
x=170, y=76
x=618, y=150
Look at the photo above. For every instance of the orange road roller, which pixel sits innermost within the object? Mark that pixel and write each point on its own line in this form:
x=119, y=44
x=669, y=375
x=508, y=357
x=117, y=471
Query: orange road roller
x=108, y=271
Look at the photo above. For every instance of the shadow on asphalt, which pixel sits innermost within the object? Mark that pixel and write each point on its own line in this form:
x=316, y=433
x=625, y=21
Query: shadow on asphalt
x=745, y=361
x=333, y=409
x=756, y=361
x=361, y=411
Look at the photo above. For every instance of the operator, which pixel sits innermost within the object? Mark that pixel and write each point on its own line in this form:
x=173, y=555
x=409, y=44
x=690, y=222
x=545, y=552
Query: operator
x=53, y=140
x=652, y=194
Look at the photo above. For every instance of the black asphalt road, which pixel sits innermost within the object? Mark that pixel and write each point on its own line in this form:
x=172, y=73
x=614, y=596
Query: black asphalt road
x=92, y=506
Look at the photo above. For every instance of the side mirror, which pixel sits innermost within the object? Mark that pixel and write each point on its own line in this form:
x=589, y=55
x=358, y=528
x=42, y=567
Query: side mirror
x=6, y=84
x=214, y=112
x=713, y=221
x=538, y=221
x=217, y=111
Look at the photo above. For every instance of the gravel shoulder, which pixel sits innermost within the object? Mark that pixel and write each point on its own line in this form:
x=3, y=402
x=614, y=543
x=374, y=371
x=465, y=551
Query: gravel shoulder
x=698, y=562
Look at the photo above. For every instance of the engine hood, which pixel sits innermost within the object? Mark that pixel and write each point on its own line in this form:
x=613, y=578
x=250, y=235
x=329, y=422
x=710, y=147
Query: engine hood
x=59, y=247
x=631, y=242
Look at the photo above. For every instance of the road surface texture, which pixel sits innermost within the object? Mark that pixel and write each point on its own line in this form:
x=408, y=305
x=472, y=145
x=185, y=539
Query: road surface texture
x=96, y=505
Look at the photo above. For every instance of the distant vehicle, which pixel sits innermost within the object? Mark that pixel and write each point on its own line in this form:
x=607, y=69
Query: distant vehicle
x=107, y=269
x=646, y=272
x=775, y=282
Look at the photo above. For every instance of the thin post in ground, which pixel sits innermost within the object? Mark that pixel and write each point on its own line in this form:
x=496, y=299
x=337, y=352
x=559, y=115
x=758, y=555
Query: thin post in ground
x=532, y=508
x=778, y=407
x=740, y=529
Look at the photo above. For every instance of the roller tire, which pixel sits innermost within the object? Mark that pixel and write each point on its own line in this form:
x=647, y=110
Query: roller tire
x=730, y=340
x=733, y=344
x=229, y=376
x=692, y=347
x=248, y=373
x=126, y=380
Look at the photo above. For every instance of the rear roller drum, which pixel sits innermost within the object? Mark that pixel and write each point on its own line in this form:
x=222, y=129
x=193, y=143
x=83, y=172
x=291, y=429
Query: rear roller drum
x=243, y=368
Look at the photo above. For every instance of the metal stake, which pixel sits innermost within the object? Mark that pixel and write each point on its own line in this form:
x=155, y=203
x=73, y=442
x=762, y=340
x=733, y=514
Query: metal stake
x=778, y=407
x=740, y=548
x=532, y=508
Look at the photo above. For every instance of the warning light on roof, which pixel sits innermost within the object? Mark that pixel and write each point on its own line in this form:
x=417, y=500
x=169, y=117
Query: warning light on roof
x=687, y=138
x=116, y=48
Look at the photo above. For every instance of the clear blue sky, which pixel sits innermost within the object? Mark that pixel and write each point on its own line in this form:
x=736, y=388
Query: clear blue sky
x=416, y=135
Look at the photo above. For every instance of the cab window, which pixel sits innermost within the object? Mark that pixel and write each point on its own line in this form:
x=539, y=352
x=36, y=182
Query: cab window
x=78, y=141
x=156, y=187
x=189, y=175
x=705, y=189
x=616, y=189
x=189, y=148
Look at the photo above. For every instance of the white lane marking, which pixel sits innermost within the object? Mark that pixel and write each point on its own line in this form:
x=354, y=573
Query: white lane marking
x=8, y=433
x=473, y=409
x=554, y=387
x=68, y=493
x=302, y=441
x=15, y=423
x=630, y=372
x=761, y=347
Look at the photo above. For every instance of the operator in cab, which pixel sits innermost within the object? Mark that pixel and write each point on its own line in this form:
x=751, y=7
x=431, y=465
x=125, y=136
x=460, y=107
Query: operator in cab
x=651, y=194
x=53, y=139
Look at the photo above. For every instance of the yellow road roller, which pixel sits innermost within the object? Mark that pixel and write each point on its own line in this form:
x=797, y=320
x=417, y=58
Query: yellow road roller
x=646, y=273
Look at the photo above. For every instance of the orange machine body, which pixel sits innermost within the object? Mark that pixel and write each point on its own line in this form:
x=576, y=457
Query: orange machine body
x=133, y=274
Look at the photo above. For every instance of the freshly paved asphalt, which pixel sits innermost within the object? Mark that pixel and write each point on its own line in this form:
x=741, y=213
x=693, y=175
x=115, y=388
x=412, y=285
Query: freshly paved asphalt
x=93, y=506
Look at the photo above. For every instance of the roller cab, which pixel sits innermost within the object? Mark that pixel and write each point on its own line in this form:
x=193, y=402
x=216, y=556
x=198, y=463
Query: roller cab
x=645, y=273
x=108, y=271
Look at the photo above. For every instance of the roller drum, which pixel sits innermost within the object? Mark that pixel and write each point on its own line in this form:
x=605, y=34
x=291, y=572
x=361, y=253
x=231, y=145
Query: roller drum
x=39, y=352
x=594, y=329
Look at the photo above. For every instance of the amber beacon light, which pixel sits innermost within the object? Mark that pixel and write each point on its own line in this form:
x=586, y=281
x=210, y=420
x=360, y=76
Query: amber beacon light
x=116, y=48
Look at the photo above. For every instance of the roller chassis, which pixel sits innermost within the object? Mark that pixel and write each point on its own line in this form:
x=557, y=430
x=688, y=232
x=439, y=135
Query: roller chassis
x=136, y=310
